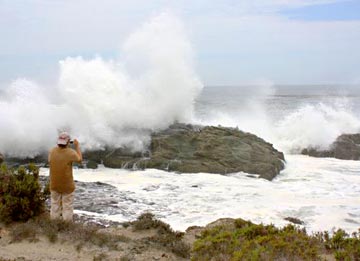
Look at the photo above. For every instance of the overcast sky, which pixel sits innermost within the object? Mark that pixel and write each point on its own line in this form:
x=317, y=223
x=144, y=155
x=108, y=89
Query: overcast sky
x=235, y=42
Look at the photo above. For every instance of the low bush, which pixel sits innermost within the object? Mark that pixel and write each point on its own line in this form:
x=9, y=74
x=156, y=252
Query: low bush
x=21, y=197
x=165, y=237
x=63, y=230
x=243, y=240
x=344, y=246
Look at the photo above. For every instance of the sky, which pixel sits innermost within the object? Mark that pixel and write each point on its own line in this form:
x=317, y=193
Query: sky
x=234, y=42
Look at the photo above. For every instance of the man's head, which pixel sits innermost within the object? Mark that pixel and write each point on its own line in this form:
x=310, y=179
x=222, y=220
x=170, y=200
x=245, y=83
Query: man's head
x=63, y=139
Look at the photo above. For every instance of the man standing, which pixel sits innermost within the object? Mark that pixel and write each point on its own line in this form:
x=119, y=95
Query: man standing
x=62, y=184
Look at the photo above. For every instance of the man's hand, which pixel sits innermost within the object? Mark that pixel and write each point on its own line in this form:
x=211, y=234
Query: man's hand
x=76, y=143
x=77, y=148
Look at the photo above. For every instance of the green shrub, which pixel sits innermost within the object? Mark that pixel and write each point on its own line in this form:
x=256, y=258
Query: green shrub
x=344, y=246
x=21, y=197
x=165, y=236
x=247, y=241
x=243, y=240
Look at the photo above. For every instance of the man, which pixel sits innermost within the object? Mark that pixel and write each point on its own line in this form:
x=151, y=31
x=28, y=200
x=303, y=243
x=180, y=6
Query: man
x=62, y=184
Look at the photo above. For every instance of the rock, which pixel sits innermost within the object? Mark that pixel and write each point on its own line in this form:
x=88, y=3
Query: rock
x=1, y=158
x=346, y=146
x=91, y=164
x=294, y=220
x=189, y=148
x=39, y=160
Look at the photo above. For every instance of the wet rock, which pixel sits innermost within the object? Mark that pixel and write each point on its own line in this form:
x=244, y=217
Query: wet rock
x=294, y=220
x=214, y=150
x=91, y=164
x=39, y=160
x=346, y=146
x=190, y=148
x=98, y=197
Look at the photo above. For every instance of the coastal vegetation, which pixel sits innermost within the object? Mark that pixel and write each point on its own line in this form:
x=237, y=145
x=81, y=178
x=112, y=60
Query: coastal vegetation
x=21, y=195
x=187, y=148
x=237, y=239
x=24, y=217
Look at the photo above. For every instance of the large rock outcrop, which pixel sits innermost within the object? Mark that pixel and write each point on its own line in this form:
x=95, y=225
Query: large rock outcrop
x=346, y=146
x=192, y=149
x=188, y=148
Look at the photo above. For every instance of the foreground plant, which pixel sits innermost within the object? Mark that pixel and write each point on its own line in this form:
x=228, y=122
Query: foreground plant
x=21, y=196
x=53, y=230
x=165, y=236
x=242, y=240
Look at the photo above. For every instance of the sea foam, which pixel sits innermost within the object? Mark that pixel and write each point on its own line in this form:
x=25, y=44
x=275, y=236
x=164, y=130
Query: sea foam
x=101, y=102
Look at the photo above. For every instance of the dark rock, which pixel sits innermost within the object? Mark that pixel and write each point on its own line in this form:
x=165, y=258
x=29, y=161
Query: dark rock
x=193, y=149
x=39, y=160
x=190, y=148
x=98, y=197
x=1, y=158
x=91, y=164
x=294, y=220
x=346, y=146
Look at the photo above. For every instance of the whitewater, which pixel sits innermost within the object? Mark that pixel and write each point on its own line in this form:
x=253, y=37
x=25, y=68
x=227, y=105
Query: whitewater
x=322, y=192
x=152, y=84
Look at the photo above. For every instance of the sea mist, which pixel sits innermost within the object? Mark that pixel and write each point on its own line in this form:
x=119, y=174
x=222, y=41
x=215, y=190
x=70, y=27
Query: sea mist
x=106, y=103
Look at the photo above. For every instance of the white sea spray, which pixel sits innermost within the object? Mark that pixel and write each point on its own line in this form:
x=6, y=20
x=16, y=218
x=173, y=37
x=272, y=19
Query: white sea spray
x=107, y=102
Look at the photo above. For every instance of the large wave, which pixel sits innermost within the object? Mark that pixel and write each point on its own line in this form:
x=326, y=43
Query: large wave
x=101, y=102
x=314, y=122
x=315, y=126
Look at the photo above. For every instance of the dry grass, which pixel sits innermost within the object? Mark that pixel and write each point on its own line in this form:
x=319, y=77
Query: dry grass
x=55, y=230
x=165, y=237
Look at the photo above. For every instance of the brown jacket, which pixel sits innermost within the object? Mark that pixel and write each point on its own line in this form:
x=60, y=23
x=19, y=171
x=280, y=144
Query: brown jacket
x=61, y=174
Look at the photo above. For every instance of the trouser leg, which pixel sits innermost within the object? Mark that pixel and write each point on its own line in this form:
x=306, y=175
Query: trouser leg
x=55, y=209
x=67, y=206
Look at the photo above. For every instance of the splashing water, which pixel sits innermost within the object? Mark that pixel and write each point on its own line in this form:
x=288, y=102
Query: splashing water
x=290, y=122
x=315, y=126
x=107, y=102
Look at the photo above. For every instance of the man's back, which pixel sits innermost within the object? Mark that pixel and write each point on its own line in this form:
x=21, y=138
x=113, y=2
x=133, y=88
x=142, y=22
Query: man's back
x=61, y=176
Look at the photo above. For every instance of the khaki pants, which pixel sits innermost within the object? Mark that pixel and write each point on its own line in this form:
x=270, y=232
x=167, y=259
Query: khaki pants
x=62, y=204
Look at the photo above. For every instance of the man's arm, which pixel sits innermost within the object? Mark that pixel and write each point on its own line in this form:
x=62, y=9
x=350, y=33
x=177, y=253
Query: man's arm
x=49, y=156
x=77, y=149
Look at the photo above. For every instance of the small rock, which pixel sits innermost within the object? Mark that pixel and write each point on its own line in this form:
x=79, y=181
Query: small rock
x=92, y=164
x=294, y=220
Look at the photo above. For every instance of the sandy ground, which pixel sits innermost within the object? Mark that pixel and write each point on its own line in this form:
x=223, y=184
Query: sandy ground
x=42, y=249
x=138, y=247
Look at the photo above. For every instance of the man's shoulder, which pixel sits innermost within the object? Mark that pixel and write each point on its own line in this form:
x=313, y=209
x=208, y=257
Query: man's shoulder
x=52, y=149
x=70, y=151
x=62, y=150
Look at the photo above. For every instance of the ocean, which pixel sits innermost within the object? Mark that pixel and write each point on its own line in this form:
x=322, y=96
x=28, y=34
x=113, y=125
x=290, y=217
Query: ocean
x=322, y=192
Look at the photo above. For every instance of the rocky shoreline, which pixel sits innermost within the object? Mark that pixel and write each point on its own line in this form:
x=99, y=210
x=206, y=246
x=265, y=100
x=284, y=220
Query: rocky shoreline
x=187, y=148
x=345, y=147
x=108, y=201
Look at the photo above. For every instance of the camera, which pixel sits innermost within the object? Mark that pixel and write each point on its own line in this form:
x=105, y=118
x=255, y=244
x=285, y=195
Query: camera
x=71, y=141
